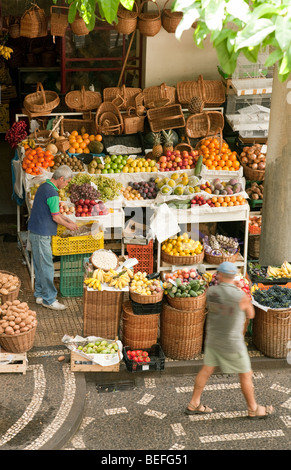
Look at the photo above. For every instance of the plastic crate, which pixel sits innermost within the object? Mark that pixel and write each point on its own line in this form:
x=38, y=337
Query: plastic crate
x=76, y=245
x=156, y=363
x=146, y=309
x=144, y=255
x=72, y=275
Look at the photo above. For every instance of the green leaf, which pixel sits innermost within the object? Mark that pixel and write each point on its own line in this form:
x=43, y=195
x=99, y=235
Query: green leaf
x=189, y=17
x=109, y=8
x=214, y=14
x=128, y=4
x=238, y=9
x=283, y=32
x=254, y=33
x=72, y=12
x=252, y=53
x=274, y=57
x=226, y=59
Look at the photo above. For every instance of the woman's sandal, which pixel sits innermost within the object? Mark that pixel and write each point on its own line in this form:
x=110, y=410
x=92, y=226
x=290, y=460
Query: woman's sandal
x=262, y=412
x=199, y=410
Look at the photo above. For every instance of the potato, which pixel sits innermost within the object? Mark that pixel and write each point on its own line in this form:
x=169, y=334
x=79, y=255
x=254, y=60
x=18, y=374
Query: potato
x=12, y=323
x=16, y=302
x=4, y=291
x=9, y=330
x=18, y=320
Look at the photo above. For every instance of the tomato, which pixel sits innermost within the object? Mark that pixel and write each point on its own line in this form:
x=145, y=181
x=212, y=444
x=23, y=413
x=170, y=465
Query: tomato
x=147, y=359
x=135, y=358
x=138, y=352
x=145, y=353
x=129, y=352
x=140, y=359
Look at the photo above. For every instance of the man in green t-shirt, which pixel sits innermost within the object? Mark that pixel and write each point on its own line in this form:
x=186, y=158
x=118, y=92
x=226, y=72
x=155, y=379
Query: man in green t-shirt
x=228, y=307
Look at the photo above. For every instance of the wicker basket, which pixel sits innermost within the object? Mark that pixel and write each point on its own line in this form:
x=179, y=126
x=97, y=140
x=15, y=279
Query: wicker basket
x=59, y=21
x=146, y=299
x=254, y=246
x=188, y=303
x=33, y=23
x=14, y=30
x=83, y=100
x=167, y=117
x=14, y=294
x=78, y=26
x=182, y=332
x=170, y=19
x=41, y=101
x=41, y=137
x=182, y=260
x=271, y=331
x=197, y=125
x=252, y=175
x=213, y=259
x=126, y=95
x=216, y=122
x=18, y=343
x=139, y=331
x=113, y=125
x=70, y=125
x=102, y=313
x=212, y=92
x=127, y=20
x=132, y=123
x=156, y=93
x=149, y=24
x=183, y=146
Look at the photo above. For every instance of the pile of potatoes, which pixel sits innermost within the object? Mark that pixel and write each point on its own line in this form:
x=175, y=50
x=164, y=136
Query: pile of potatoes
x=16, y=317
x=8, y=283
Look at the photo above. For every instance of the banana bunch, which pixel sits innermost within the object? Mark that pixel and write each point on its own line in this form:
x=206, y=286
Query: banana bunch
x=99, y=274
x=121, y=280
x=5, y=51
x=108, y=275
x=283, y=271
x=29, y=142
x=207, y=276
x=93, y=283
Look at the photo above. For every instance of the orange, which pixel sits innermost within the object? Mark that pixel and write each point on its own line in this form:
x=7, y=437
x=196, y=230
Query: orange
x=212, y=167
x=98, y=137
x=82, y=145
x=85, y=136
x=75, y=145
x=233, y=198
x=86, y=150
x=230, y=203
x=224, y=204
x=214, y=199
x=220, y=199
x=208, y=162
x=74, y=133
x=92, y=137
x=221, y=163
x=217, y=204
x=236, y=164
x=71, y=150
x=28, y=170
x=227, y=198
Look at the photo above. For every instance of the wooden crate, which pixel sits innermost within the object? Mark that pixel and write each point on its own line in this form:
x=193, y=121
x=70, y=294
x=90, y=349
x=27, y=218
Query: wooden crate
x=80, y=364
x=19, y=363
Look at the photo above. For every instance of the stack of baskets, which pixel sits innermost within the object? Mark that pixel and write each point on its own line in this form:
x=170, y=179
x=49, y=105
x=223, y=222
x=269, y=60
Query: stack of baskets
x=108, y=119
x=139, y=330
x=182, y=326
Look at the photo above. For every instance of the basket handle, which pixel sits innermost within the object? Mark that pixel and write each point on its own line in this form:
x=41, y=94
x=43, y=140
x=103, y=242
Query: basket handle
x=39, y=87
x=56, y=6
x=155, y=3
x=201, y=87
x=130, y=109
x=164, y=91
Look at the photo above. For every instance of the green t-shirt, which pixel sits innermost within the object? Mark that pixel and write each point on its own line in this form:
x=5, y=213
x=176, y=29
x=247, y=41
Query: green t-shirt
x=225, y=320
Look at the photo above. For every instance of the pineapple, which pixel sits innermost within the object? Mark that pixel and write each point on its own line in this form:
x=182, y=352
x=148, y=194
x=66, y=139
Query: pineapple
x=157, y=150
x=168, y=141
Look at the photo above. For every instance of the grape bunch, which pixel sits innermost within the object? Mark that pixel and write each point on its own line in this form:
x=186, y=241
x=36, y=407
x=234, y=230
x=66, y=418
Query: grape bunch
x=83, y=191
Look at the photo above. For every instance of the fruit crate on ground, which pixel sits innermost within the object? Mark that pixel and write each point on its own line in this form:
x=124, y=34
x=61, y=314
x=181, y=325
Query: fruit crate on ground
x=157, y=360
x=144, y=255
x=72, y=275
x=12, y=362
x=80, y=364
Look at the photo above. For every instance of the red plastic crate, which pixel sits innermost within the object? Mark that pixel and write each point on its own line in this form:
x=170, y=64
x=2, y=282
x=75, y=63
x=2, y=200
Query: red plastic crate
x=145, y=256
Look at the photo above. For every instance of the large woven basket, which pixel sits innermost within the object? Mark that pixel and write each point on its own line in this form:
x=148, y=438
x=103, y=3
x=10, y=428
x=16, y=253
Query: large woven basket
x=188, y=303
x=18, y=343
x=146, y=299
x=150, y=23
x=214, y=259
x=106, y=125
x=70, y=125
x=170, y=19
x=252, y=175
x=126, y=95
x=166, y=117
x=156, y=93
x=216, y=121
x=14, y=294
x=83, y=100
x=102, y=313
x=41, y=101
x=41, y=137
x=271, y=331
x=127, y=19
x=182, y=260
x=138, y=331
x=59, y=21
x=182, y=332
x=78, y=26
x=212, y=92
x=33, y=23
x=197, y=125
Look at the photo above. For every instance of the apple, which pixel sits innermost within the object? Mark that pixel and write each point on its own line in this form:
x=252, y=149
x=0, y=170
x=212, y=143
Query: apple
x=81, y=202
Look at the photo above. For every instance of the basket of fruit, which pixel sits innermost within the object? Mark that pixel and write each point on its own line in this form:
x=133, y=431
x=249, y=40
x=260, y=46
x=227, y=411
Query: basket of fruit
x=217, y=155
x=144, y=290
x=9, y=286
x=219, y=248
x=253, y=162
x=188, y=295
x=17, y=326
x=182, y=251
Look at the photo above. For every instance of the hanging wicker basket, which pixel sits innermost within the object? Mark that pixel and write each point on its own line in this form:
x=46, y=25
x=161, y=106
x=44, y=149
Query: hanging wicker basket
x=14, y=30
x=33, y=23
x=41, y=101
x=78, y=26
x=170, y=19
x=59, y=21
x=83, y=100
x=216, y=121
x=150, y=23
x=127, y=20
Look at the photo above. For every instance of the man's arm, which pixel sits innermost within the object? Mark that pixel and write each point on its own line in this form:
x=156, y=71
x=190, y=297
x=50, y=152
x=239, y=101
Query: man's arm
x=63, y=220
x=247, y=306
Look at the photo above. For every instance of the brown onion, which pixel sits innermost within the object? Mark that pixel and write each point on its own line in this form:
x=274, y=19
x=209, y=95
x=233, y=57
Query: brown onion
x=254, y=166
x=261, y=166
